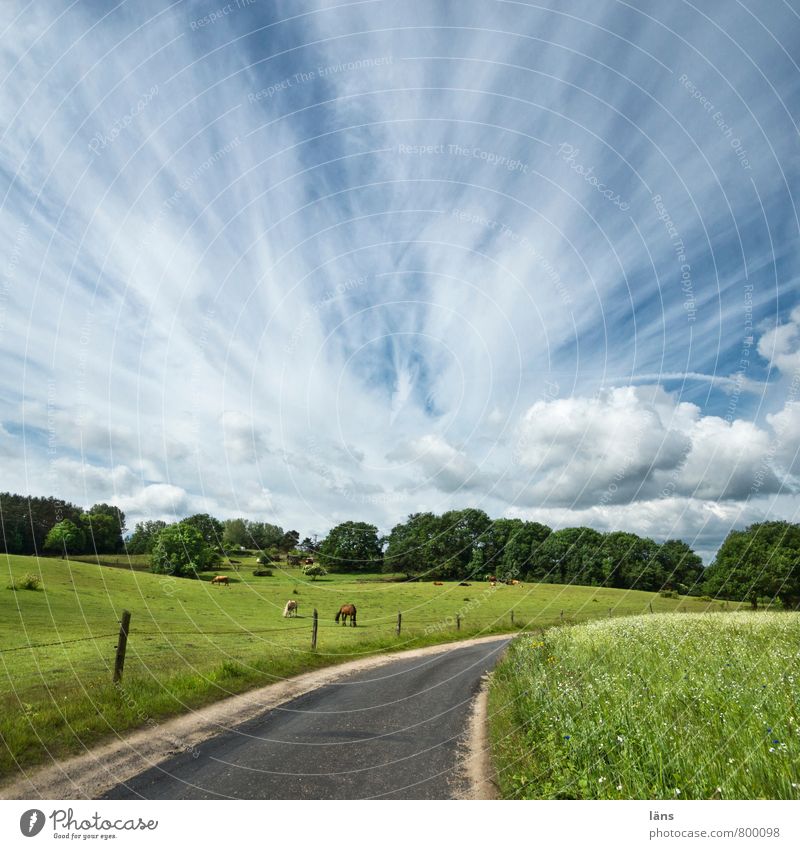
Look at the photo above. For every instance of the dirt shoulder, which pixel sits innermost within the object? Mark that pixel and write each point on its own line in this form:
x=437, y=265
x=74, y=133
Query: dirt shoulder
x=91, y=774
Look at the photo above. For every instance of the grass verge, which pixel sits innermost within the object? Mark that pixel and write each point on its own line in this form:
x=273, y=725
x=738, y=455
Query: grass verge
x=651, y=707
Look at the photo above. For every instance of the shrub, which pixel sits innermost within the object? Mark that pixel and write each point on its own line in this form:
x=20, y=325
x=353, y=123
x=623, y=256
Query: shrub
x=262, y=573
x=668, y=594
x=28, y=582
x=314, y=571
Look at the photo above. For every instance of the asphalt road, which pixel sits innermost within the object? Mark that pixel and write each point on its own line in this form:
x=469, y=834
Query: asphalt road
x=392, y=732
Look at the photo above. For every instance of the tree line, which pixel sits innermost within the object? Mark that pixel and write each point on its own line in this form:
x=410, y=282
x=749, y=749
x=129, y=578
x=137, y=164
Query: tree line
x=757, y=564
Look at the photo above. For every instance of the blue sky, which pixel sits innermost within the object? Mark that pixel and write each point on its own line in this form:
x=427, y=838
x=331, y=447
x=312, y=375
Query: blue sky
x=308, y=262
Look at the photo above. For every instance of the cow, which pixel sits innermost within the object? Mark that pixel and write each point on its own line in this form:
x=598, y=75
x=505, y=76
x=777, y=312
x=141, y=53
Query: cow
x=221, y=580
x=438, y=584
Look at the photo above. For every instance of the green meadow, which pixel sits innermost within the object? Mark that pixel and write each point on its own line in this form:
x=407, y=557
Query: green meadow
x=651, y=707
x=191, y=643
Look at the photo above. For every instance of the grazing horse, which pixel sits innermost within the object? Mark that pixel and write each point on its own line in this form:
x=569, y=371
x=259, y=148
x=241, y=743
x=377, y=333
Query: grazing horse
x=438, y=584
x=291, y=607
x=347, y=610
x=221, y=580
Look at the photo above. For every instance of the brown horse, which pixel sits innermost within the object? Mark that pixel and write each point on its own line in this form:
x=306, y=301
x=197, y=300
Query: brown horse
x=347, y=610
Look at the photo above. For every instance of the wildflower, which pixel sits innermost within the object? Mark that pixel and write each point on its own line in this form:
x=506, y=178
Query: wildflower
x=619, y=787
x=776, y=741
x=730, y=760
x=677, y=791
x=566, y=736
x=771, y=749
x=620, y=738
x=601, y=779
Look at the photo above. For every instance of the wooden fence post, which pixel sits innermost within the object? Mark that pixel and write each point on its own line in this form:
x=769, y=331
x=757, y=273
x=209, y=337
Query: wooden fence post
x=609, y=611
x=651, y=606
x=314, y=622
x=399, y=622
x=458, y=621
x=122, y=644
x=562, y=615
x=512, y=618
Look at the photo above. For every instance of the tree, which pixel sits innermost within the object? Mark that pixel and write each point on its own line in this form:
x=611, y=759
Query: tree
x=352, y=547
x=263, y=535
x=410, y=545
x=289, y=541
x=211, y=529
x=110, y=510
x=681, y=567
x=461, y=533
x=309, y=545
x=314, y=571
x=493, y=545
x=102, y=533
x=761, y=561
x=631, y=561
x=181, y=551
x=65, y=536
x=520, y=551
x=26, y=521
x=235, y=533
x=570, y=555
x=144, y=536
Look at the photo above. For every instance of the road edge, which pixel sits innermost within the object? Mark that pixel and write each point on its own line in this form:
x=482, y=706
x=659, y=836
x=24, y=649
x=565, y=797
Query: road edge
x=476, y=762
x=89, y=775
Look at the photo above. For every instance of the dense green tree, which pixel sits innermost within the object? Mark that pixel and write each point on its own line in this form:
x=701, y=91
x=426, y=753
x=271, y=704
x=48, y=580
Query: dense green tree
x=521, y=549
x=26, y=520
x=569, y=556
x=102, y=533
x=761, y=561
x=352, y=547
x=211, y=529
x=309, y=545
x=409, y=546
x=144, y=536
x=181, y=551
x=263, y=535
x=290, y=540
x=461, y=534
x=235, y=533
x=682, y=568
x=493, y=544
x=65, y=537
x=631, y=561
x=112, y=510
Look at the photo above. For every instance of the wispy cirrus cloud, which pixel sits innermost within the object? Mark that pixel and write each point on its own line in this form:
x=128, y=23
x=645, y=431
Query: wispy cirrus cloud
x=315, y=261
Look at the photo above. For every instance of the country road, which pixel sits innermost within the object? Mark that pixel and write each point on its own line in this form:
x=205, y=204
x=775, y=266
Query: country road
x=393, y=732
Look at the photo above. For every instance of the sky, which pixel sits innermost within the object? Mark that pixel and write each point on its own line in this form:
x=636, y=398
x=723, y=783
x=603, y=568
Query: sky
x=306, y=262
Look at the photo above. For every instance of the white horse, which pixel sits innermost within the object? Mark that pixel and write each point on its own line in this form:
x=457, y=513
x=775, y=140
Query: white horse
x=291, y=607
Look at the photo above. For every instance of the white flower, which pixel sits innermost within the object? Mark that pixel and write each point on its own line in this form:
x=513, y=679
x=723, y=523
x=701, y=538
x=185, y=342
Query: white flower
x=677, y=791
x=619, y=787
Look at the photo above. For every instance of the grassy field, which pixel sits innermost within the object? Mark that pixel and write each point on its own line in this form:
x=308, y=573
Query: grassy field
x=192, y=643
x=652, y=707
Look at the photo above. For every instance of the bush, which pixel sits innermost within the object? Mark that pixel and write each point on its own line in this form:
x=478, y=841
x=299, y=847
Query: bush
x=314, y=571
x=28, y=582
x=262, y=573
x=181, y=551
x=668, y=594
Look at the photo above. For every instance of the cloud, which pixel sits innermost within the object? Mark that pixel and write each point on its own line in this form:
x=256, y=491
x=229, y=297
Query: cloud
x=166, y=321
x=781, y=344
x=635, y=444
x=441, y=464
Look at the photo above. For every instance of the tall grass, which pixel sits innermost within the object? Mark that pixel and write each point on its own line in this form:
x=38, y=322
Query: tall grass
x=652, y=707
